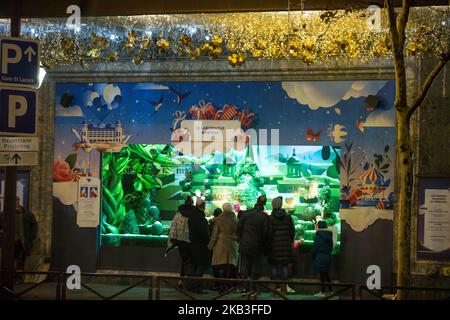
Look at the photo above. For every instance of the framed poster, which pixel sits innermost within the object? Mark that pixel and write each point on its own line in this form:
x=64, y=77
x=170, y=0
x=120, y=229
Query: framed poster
x=88, y=213
x=23, y=188
x=433, y=224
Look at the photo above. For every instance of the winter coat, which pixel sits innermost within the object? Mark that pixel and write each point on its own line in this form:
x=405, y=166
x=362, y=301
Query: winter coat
x=199, y=236
x=179, y=230
x=223, y=241
x=321, y=250
x=211, y=224
x=254, y=232
x=282, y=237
x=29, y=225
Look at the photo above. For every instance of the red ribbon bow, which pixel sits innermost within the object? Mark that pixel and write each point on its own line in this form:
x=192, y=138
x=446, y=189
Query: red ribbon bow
x=246, y=118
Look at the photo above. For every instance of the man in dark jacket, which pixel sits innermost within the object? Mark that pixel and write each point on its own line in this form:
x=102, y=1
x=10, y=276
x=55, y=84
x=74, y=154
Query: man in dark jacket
x=321, y=253
x=253, y=234
x=25, y=233
x=282, y=237
x=199, y=236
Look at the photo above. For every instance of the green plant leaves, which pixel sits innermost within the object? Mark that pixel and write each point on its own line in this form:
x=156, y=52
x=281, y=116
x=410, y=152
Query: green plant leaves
x=138, y=186
x=385, y=166
x=326, y=152
x=71, y=160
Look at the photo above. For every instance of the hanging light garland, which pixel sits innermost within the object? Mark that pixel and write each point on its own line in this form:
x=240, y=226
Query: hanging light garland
x=312, y=37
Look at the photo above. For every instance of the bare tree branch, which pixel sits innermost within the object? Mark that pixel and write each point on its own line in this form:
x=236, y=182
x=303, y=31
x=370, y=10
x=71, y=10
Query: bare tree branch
x=427, y=84
x=393, y=26
x=406, y=5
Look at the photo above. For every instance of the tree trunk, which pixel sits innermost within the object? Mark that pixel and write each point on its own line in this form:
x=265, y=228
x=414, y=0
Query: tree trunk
x=405, y=169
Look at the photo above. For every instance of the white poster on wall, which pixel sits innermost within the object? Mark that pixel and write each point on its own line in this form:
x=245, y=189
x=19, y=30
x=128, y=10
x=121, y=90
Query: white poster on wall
x=88, y=215
x=437, y=219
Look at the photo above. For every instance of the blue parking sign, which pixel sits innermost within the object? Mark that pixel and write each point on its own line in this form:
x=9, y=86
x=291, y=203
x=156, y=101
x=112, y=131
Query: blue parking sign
x=18, y=112
x=19, y=59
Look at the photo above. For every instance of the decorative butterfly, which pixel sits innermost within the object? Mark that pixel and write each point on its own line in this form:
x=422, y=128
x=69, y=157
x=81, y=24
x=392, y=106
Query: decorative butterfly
x=360, y=125
x=157, y=105
x=311, y=136
x=180, y=96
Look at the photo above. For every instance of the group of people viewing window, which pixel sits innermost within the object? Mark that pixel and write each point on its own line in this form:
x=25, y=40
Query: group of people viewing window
x=235, y=245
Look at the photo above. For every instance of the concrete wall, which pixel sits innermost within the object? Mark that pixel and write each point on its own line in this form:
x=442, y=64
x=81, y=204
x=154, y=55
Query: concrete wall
x=431, y=133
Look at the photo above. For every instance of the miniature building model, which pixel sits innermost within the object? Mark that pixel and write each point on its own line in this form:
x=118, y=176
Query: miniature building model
x=293, y=166
x=106, y=134
x=229, y=167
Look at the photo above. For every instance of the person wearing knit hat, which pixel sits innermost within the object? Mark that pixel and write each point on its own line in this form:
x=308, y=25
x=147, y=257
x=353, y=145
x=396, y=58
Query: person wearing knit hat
x=322, y=224
x=254, y=238
x=321, y=253
x=282, y=237
x=277, y=202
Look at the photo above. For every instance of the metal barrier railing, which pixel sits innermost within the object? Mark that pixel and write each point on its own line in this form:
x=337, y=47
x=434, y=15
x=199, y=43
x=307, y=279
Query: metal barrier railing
x=248, y=283
x=61, y=287
x=153, y=284
x=380, y=293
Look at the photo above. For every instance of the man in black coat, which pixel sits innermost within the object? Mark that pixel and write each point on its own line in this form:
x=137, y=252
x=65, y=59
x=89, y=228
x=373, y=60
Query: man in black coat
x=282, y=237
x=254, y=235
x=25, y=233
x=199, y=236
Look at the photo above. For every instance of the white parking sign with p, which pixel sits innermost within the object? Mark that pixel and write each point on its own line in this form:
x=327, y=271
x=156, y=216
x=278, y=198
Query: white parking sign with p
x=18, y=113
x=19, y=62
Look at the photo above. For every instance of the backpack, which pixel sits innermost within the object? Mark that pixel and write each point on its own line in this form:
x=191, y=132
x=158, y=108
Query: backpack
x=179, y=230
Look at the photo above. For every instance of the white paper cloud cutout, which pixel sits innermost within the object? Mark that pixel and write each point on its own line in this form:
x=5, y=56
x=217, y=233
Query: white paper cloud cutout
x=110, y=92
x=150, y=86
x=381, y=118
x=72, y=111
x=89, y=96
x=326, y=94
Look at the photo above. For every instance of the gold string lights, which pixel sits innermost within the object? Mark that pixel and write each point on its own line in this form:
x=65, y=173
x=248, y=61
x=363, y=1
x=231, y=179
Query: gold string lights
x=311, y=37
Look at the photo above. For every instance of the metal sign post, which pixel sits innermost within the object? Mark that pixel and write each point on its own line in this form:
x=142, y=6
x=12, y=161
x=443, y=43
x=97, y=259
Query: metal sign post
x=21, y=112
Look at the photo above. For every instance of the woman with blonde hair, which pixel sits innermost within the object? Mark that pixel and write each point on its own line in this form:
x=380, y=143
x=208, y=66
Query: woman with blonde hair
x=224, y=243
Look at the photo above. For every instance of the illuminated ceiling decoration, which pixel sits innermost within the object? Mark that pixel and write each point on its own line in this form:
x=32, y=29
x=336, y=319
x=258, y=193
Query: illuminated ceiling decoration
x=309, y=36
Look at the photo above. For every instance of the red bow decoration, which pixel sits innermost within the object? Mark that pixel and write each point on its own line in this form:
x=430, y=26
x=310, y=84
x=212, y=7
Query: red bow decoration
x=197, y=113
x=208, y=109
x=246, y=118
x=203, y=111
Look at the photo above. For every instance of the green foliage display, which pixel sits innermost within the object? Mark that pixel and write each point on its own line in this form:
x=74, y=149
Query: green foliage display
x=113, y=205
x=310, y=213
x=249, y=182
x=246, y=192
x=328, y=205
x=129, y=224
x=134, y=240
x=157, y=228
x=248, y=168
x=142, y=163
x=299, y=231
x=142, y=210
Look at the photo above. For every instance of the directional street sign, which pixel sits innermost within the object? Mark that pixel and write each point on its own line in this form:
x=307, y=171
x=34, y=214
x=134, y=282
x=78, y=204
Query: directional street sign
x=19, y=144
x=20, y=62
x=18, y=113
x=18, y=158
